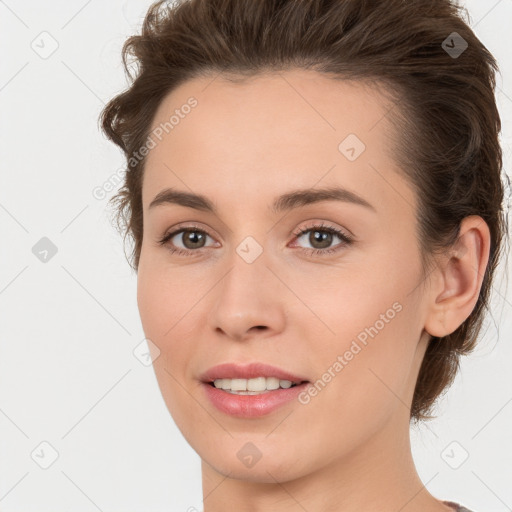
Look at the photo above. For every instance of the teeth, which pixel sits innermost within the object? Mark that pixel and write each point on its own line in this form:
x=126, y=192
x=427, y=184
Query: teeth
x=252, y=386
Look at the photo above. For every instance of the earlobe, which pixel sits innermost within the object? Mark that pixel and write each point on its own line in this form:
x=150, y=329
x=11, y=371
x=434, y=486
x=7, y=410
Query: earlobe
x=460, y=274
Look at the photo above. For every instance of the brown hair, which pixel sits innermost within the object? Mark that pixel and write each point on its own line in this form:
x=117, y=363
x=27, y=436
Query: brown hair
x=444, y=110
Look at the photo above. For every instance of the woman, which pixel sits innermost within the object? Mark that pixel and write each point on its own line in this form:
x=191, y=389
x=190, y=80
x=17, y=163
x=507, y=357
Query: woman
x=314, y=196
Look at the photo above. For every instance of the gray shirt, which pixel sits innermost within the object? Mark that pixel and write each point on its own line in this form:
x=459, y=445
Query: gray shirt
x=456, y=506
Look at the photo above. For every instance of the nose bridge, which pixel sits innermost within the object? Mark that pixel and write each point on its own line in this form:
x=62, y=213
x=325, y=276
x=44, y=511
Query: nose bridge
x=246, y=297
x=244, y=283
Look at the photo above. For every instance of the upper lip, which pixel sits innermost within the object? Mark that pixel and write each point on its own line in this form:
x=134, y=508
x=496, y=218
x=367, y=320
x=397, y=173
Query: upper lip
x=248, y=371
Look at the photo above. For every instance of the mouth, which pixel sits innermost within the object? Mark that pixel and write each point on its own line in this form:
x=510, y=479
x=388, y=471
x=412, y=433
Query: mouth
x=252, y=390
x=253, y=403
x=250, y=379
x=253, y=386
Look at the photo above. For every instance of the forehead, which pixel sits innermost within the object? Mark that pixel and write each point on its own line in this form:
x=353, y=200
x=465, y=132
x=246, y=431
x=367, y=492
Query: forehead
x=271, y=133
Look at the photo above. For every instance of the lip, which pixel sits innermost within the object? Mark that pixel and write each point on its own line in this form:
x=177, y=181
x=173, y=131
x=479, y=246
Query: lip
x=248, y=371
x=250, y=406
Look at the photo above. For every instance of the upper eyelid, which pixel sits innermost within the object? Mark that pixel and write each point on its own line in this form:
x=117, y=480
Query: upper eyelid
x=320, y=225
x=297, y=233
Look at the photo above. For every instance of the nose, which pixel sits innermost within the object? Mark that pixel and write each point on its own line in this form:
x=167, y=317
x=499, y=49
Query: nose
x=248, y=301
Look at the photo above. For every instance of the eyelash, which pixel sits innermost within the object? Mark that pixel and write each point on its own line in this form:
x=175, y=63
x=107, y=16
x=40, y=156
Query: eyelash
x=346, y=240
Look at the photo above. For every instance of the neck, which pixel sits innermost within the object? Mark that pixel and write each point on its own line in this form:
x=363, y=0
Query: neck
x=379, y=475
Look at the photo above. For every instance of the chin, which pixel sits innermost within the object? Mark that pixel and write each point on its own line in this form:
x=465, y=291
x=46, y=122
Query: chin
x=255, y=461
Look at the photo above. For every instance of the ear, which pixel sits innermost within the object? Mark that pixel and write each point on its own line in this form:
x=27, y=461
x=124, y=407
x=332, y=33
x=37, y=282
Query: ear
x=459, y=278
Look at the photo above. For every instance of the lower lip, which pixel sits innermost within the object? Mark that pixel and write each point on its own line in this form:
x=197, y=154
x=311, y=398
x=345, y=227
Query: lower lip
x=251, y=406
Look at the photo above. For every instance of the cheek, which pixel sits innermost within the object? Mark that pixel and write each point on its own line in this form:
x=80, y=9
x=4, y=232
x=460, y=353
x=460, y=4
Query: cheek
x=163, y=297
x=362, y=385
x=376, y=329
x=163, y=307
x=151, y=298
x=169, y=308
x=160, y=308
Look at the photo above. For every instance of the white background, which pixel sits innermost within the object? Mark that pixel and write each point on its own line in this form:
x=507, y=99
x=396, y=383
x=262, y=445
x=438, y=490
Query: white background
x=68, y=375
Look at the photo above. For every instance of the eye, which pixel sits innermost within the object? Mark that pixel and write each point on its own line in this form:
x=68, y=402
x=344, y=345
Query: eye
x=321, y=237
x=193, y=240
x=192, y=237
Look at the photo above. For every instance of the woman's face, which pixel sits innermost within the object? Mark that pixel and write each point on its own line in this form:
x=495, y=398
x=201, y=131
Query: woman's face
x=247, y=287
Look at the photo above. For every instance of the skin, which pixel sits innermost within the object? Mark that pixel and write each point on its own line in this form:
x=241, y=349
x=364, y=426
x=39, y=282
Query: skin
x=243, y=145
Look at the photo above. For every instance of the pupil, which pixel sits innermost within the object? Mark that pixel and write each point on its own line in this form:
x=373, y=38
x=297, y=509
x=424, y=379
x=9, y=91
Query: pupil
x=324, y=238
x=193, y=237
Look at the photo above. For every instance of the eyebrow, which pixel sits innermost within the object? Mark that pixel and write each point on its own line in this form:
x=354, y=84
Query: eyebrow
x=285, y=202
